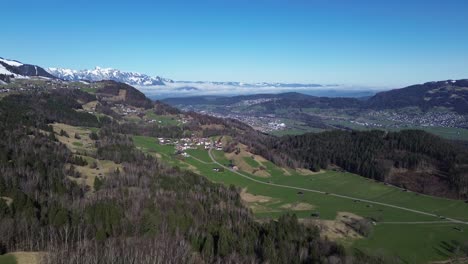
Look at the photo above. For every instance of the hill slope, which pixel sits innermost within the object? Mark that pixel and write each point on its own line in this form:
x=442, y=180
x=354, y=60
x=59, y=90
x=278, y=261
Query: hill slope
x=449, y=94
x=69, y=168
x=18, y=69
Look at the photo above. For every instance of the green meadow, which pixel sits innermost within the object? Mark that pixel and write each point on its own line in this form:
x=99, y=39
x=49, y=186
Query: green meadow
x=397, y=232
x=163, y=120
x=7, y=259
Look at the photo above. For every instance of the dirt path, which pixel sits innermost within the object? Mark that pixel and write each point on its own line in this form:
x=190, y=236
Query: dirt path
x=452, y=220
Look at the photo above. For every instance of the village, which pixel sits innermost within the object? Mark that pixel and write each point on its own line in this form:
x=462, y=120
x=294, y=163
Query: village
x=184, y=144
x=425, y=119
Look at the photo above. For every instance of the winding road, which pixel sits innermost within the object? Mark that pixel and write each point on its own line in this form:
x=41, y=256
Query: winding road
x=446, y=219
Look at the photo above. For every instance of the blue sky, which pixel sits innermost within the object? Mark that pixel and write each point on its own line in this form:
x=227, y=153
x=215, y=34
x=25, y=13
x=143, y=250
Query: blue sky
x=370, y=43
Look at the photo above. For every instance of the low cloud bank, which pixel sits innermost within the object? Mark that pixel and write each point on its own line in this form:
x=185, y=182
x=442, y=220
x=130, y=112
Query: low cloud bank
x=185, y=89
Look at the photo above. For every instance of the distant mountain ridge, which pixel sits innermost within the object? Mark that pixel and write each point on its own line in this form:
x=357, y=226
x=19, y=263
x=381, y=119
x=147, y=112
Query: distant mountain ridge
x=100, y=74
x=17, y=69
x=451, y=94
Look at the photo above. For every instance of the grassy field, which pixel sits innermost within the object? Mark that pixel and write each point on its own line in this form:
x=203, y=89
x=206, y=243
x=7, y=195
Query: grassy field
x=163, y=120
x=200, y=154
x=22, y=257
x=413, y=242
x=296, y=131
x=84, y=147
x=90, y=90
x=252, y=162
x=164, y=152
x=7, y=259
x=448, y=132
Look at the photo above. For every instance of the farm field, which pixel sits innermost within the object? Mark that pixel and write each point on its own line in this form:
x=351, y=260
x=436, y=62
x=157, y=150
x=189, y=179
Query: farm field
x=414, y=237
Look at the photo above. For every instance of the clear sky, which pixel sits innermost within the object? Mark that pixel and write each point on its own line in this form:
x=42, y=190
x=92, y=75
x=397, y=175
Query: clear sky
x=360, y=42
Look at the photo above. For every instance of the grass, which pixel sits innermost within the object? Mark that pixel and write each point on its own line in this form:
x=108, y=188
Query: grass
x=252, y=162
x=428, y=240
x=392, y=238
x=448, y=132
x=89, y=174
x=415, y=243
x=84, y=144
x=78, y=144
x=89, y=90
x=7, y=259
x=297, y=131
x=84, y=147
x=200, y=153
x=23, y=257
x=93, y=129
x=164, y=152
x=163, y=120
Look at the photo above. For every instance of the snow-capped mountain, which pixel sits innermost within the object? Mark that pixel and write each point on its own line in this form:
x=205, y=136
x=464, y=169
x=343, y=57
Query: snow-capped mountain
x=99, y=74
x=19, y=70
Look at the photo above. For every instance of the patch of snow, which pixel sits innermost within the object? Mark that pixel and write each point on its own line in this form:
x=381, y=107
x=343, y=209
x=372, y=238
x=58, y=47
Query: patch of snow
x=3, y=70
x=11, y=62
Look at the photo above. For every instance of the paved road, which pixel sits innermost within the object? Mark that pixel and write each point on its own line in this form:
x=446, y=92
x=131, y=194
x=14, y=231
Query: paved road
x=452, y=220
x=420, y=222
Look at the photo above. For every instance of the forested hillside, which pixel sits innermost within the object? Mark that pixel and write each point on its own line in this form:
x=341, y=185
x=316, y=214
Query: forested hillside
x=448, y=94
x=412, y=159
x=145, y=212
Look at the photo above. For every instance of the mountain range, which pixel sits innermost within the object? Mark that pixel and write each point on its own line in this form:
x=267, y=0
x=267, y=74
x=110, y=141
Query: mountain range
x=99, y=74
x=451, y=94
x=158, y=87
